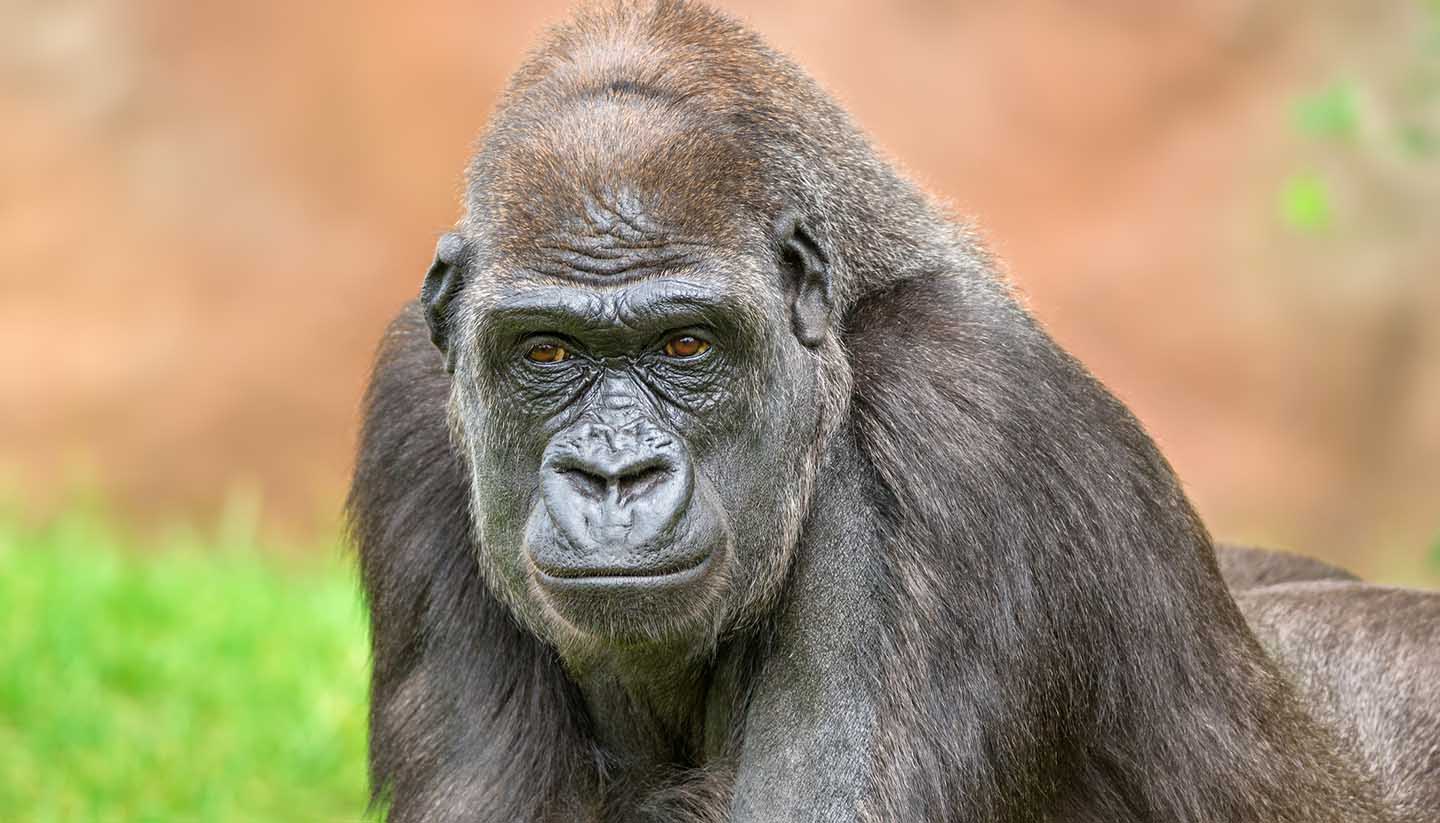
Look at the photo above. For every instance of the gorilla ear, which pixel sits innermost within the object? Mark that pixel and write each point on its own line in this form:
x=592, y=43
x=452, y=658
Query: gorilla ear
x=808, y=274
x=442, y=283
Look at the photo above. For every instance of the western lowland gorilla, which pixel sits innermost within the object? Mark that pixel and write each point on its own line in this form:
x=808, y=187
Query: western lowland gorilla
x=718, y=476
x=1247, y=567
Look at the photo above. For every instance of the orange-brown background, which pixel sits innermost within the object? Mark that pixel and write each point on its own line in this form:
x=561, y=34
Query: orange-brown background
x=208, y=212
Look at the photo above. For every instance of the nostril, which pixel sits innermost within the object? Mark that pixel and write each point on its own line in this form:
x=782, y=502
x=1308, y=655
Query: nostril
x=640, y=483
x=585, y=484
x=629, y=486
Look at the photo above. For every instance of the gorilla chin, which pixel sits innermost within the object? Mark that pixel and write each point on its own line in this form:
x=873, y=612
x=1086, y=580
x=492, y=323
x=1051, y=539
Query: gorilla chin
x=621, y=536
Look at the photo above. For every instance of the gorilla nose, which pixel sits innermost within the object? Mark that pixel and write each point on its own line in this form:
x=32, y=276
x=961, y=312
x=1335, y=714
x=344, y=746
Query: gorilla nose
x=627, y=478
x=617, y=495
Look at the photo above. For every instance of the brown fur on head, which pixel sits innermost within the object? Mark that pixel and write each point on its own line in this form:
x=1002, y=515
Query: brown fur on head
x=622, y=104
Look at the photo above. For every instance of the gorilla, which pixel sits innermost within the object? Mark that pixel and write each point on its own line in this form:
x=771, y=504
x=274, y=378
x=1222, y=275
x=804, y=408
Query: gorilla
x=1248, y=567
x=717, y=475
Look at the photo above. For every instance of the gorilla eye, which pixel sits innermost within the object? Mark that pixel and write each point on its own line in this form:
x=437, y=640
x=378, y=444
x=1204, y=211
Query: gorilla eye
x=685, y=345
x=547, y=353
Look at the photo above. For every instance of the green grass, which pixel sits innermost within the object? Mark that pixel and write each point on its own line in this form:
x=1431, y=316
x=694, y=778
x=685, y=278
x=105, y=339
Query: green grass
x=176, y=682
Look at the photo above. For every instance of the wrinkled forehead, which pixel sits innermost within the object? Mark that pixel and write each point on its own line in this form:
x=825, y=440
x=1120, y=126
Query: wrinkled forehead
x=618, y=185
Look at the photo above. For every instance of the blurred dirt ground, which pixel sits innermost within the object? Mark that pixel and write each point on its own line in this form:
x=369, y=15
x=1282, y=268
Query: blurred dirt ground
x=209, y=211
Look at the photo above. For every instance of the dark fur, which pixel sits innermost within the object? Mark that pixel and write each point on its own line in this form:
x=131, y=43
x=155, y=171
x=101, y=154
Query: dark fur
x=1365, y=658
x=433, y=621
x=1246, y=567
x=1000, y=607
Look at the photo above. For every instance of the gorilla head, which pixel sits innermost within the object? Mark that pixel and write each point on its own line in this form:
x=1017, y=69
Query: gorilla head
x=640, y=346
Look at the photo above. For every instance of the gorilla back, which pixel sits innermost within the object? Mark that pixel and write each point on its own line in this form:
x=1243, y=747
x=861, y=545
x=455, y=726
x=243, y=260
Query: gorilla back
x=717, y=475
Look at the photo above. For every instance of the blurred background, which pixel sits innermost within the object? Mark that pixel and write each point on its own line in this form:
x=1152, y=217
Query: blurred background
x=1229, y=209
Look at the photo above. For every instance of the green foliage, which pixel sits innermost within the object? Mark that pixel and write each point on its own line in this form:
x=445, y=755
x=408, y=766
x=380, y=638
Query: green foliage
x=178, y=682
x=1418, y=141
x=1331, y=112
x=1305, y=203
x=1356, y=121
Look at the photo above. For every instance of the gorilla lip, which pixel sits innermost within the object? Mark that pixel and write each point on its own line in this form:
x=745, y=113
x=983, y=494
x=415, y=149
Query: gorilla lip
x=602, y=578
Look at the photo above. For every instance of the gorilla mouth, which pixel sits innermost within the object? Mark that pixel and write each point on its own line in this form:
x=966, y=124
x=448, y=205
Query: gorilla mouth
x=603, y=577
x=613, y=546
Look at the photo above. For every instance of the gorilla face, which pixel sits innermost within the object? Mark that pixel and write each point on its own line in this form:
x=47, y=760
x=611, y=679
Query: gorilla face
x=641, y=444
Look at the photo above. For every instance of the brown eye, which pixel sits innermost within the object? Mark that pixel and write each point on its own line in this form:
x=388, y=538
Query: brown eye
x=547, y=353
x=686, y=346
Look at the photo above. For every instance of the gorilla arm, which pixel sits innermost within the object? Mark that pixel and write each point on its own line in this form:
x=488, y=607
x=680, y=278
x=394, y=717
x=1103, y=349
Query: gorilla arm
x=807, y=751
